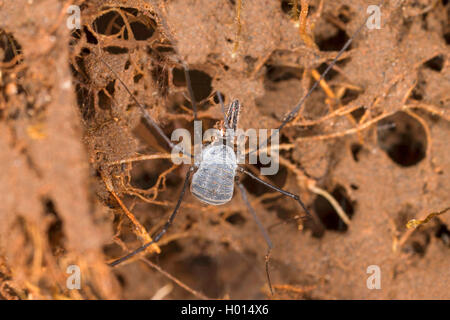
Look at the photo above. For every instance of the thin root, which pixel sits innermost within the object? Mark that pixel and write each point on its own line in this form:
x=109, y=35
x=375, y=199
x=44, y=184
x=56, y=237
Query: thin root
x=414, y=223
x=332, y=201
x=141, y=232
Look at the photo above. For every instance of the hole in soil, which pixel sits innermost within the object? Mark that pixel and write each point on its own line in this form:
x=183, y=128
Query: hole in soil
x=418, y=91
x=109, y=23
x=405, y=141
x=145, y=177
x=349, y=96
x=112, y=23
x=160, y=75
x=141, y=31
x=55, y=232
x=85, y=100
x=331, y=74
x=344, y=14
x=216, y=98
x=358, y=113
x=250, y=61
x=201, y=82
x=287, y=5
x=144, y=180
x=256, y=188
x=9, y=47
x=356, y=149
x=436, y=63
x=110, y=87
x=447, y=38
x=90, y=38
x=203, y=271
x=104, y=102
x=281, y=73
x=121, y=279
x=328, y=215
x=334, y=42
x=236, y=219
x=137, y=77
x=116, y=50
x=417, y=243
x=418, y=247
x=443, y=233
x=354, y=186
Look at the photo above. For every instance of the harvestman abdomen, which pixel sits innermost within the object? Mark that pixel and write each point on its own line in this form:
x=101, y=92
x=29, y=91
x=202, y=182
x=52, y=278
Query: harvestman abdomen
x=213, y=183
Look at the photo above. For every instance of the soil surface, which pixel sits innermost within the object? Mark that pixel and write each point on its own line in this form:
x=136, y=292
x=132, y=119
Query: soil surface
x=374, y=135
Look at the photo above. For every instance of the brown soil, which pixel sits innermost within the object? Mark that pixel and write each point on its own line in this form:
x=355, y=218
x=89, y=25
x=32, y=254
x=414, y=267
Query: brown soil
x=384, y=155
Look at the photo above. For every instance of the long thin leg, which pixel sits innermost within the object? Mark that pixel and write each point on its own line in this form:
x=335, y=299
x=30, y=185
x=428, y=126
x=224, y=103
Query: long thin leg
x=291, y=115
x=190, y=90
x=219, y=96
x=160, y=12
x=165, y=227
x=286, y=193
x=144, y=112
x=261, y=228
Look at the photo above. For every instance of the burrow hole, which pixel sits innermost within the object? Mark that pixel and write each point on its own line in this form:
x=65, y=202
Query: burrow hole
x=9, y=47
x=236, y=219
x=403, y=138
x=112, y=23
x=204, y=270
x=328, y=215
x=443, y=233
x=436, y=63
x=287, y=8
x=356, y=149
x=201, y=82
x=333, y=41
x=55, y=231
x=282, y=73
x=257, y=188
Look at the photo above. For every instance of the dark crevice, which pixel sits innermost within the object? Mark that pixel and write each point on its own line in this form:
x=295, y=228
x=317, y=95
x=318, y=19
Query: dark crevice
x=9, y=46
x=55, y=231
x=358, y=113
x=328, y=215
x=282, y=73
x=201, y=82
x=403, y=138
x=436, y=63
x=356, y=149
x=116, y=50
x=335, y=42
x=256, y=188
x=236, y=219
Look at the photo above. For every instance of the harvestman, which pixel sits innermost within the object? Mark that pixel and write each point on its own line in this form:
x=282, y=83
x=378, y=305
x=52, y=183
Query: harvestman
x=214, y=176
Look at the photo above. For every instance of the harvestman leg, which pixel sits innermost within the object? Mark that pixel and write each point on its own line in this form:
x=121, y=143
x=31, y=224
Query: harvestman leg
x=190, y=90
x=258, y=222
x=286, y=193
x=165, y=227
x=261, y=228
x=144, y=112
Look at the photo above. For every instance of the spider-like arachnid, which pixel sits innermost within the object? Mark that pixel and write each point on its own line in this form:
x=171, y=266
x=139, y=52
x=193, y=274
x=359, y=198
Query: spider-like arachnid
x=215, y=172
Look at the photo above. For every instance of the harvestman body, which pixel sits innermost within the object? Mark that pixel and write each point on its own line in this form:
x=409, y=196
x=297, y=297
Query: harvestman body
x=213, y=182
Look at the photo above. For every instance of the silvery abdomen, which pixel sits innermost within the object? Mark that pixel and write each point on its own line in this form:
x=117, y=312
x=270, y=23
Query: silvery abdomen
x=213, y=183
